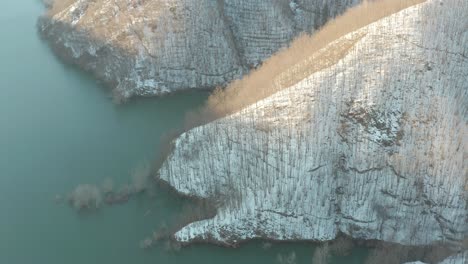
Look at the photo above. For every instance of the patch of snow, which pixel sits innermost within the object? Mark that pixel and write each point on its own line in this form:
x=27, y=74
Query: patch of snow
x=367, y=147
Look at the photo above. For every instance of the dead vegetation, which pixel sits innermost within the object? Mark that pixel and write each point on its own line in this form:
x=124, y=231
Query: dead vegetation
x=303, y=57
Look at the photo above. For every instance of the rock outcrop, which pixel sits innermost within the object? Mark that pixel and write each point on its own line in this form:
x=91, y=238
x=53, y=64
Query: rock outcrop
x=153, y=47
x=372, y=147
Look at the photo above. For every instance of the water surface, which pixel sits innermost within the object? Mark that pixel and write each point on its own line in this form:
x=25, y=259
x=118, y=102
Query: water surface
x=58, y=129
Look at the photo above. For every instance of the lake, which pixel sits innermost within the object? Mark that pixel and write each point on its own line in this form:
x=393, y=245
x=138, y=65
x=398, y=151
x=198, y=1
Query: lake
x=58, y=129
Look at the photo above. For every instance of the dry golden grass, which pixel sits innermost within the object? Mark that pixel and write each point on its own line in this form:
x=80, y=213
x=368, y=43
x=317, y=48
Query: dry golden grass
x=305, y=56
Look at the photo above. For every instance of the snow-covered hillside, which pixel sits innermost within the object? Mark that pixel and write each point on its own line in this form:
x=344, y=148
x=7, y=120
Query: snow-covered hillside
x=372, y=146
x=461, y=258
x=153, y=47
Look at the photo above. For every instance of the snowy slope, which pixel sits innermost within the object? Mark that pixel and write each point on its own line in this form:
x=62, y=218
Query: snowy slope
x=153, y=47
x=461, y=258
x=372, y=146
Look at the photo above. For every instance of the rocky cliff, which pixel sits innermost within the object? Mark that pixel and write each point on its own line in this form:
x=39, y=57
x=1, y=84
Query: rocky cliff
x=153, y=47
x=372, y=146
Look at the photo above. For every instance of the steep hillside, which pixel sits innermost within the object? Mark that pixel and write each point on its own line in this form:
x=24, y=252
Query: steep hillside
x=153, y=47
x=371, y=146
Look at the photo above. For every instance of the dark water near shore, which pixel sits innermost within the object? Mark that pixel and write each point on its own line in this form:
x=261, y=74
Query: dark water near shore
x=58, y=129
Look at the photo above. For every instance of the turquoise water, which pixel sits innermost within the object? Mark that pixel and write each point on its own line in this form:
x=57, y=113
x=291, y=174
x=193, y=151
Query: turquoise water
x=58, y=129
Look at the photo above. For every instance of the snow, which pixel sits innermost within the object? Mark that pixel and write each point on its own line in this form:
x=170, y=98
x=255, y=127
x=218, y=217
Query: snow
x=461, y=258
x=187, y=44
x=369, y=146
